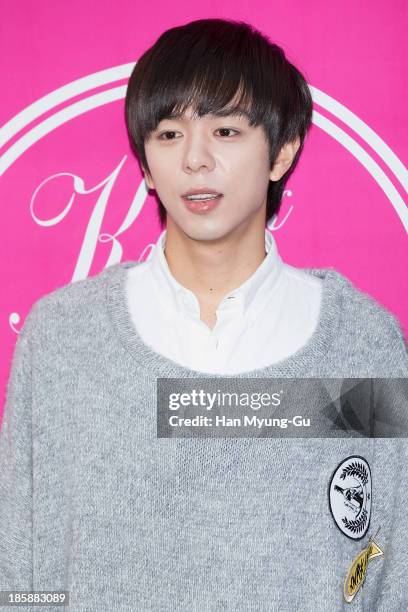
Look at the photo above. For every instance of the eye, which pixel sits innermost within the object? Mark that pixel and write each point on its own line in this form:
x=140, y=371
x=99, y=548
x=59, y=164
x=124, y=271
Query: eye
x=227, y=130
x=161, y=136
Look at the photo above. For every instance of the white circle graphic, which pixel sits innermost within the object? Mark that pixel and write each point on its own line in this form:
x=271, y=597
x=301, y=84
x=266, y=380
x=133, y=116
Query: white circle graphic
x=350, y=496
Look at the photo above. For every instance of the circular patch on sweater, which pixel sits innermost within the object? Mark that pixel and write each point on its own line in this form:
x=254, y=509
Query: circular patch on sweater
x=350, y=496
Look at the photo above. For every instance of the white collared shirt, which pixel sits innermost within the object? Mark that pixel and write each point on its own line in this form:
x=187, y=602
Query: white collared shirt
x=269, y=317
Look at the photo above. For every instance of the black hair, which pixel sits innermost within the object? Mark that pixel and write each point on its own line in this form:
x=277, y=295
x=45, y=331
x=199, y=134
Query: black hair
x=211, y=64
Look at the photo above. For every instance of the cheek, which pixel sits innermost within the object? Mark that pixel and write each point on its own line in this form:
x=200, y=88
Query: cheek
x=249, y=161
x=163, y=174
x=156, y=164
x=249, y=186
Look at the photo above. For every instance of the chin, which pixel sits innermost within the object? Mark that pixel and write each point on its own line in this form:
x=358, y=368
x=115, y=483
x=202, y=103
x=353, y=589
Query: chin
x=204, y=227
x=205, y=232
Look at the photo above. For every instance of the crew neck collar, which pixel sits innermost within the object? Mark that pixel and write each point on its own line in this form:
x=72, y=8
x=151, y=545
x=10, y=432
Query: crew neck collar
x=299, y=364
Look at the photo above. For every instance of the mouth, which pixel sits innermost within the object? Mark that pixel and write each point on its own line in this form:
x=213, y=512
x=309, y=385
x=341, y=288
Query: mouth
x=202, y=204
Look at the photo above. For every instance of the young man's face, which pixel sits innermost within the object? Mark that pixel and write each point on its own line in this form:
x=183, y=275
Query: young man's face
x=224, y=154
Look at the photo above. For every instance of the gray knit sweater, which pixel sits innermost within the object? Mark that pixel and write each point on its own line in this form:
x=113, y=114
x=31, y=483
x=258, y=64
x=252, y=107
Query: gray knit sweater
x=92, y=502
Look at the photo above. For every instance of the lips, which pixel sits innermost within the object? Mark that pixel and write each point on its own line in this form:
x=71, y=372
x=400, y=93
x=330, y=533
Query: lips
x=202, y=206
x=202, y=190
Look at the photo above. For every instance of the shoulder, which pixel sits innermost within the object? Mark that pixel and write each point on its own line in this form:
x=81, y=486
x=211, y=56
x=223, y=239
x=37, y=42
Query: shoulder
x=362, y=309
x=367, y=331
x=76, y=307
x=76, y=293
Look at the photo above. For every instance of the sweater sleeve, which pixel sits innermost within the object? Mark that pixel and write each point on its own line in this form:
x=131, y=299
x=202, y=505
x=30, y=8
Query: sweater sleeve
x=401, y=347
x=388, y=346
x=16, y=567
x=389, y=578
x=385, y=347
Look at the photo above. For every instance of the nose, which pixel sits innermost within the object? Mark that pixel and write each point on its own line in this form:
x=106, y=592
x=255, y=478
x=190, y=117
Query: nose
x=197, y=153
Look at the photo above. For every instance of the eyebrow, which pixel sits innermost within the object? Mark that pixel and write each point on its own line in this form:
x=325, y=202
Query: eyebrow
x=223, y=112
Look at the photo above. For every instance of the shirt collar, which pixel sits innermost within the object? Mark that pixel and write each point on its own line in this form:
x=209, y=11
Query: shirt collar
x=247, y=299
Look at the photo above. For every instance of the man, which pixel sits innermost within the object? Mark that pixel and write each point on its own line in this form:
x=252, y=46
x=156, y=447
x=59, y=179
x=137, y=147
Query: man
x=92, y=500
x=242, y=143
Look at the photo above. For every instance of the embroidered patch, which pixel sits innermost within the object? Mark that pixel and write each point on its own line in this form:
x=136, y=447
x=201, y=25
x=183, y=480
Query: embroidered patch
x=358, y=570
x=350, y=497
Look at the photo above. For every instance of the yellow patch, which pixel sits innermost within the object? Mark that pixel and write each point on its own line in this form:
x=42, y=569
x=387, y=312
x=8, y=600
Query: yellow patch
x=358, y=570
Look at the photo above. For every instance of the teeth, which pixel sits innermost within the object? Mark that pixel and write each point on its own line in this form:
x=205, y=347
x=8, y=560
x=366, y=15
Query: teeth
x=202, y=196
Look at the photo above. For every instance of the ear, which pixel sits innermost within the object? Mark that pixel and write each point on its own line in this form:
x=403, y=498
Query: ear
x=148, y=178
x=284, y=160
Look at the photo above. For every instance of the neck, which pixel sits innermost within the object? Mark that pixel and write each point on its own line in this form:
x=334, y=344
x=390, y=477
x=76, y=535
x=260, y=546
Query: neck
x=212, y=268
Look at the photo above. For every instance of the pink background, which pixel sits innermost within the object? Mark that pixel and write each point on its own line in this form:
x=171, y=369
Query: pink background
x=345, y=208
